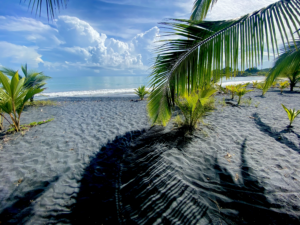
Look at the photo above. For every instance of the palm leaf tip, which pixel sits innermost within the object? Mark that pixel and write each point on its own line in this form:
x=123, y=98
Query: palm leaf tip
x=51, y=6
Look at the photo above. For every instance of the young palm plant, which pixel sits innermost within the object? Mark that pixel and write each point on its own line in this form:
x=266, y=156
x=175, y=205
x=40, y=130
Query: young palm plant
x=283, y=85
x=141, y=92
x=13, y=97
x=32, y=79
x=241, y=92
x=254, y=84
x=194, y=106
x=232, y=89
x=292, y=114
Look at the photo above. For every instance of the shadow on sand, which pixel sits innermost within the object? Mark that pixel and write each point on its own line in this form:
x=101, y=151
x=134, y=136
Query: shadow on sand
x=19, y=208
x=275, y=134
x=133, y=180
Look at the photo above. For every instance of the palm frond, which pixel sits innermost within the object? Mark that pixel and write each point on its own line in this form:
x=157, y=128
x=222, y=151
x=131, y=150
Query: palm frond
x=201, y=8
x=196, y=58
x=51, y=6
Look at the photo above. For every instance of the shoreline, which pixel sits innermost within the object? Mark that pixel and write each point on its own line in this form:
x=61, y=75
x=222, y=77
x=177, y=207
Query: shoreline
x=101, y=153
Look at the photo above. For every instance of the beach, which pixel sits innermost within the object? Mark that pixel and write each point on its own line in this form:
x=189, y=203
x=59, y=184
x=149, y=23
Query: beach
x=101, y=162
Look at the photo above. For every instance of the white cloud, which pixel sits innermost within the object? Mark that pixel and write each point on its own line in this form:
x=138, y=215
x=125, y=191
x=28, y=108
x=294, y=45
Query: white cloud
x=20, y=54
x=75, y=42
x=230, y=9
x=11, y=23
x=77, y=32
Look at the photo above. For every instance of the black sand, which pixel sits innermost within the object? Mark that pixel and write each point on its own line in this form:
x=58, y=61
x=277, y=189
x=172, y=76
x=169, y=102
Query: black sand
x=99, y=162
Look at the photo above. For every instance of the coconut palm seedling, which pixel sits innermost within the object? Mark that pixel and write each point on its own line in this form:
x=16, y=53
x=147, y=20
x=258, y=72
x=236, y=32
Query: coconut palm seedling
x=232, y=89
x=274, y=84
x=141, y=92
x=32, y=79
x=254, y=84
x=261, y=86
x=194, y=106
x=283, y=85
x=241, y=92
x=14, y=95
x=292, y=114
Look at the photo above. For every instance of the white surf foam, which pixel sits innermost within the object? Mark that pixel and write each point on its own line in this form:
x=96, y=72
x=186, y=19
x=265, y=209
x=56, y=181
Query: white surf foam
x=85, y=93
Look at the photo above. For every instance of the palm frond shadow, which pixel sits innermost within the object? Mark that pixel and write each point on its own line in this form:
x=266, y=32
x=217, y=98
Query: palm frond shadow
x=248, y=198
x=129, y=182
x=275, y=134
x=22, y=208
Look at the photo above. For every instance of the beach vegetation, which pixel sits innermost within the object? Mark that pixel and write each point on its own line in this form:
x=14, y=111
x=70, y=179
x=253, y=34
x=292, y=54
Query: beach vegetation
x=287, y=65
x=14, y=95
x=241, y=92
x=178, y=121
x=141, y=92
x=283, y=85
x=195, y=58
x=292, y=114
x=274, y=84
x=221, y=89
x=247, y=101
x=32, y=78
x=41, y=103
x=26, y=127
x=254, y=84
x=195, y=106
x=257, y=104
x=232, y=89
x=261, y=86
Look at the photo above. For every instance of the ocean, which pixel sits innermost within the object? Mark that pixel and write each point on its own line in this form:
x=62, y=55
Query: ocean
x=109, y=85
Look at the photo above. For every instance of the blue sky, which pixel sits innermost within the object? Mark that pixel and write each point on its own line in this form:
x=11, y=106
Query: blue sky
x=96, y=37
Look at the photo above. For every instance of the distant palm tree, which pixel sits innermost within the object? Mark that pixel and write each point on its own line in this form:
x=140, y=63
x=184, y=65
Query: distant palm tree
x=286, y=65
x=32, y=79
x=200, y=49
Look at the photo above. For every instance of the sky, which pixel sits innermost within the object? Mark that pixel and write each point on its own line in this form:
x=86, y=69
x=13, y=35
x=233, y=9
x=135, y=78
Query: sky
x=97, y=37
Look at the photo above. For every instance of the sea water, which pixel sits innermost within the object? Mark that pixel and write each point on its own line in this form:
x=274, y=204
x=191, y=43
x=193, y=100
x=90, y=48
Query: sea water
x=110, y=85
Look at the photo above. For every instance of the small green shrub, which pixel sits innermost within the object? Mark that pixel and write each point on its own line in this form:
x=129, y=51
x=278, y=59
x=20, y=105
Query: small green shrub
x=141, y=92
x=292, y=114
x=257, y=104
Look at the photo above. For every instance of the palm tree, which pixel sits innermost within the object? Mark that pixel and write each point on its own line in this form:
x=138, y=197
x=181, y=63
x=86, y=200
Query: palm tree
x=186, y=63
x=287, y=65
x=32, y=79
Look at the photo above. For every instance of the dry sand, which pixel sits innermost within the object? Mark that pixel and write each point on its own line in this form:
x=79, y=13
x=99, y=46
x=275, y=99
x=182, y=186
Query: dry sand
x=99, y=162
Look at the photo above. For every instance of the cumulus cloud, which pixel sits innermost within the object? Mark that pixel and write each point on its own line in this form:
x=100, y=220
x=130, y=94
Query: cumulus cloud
x=102, y=52
x=18, y=54
x=75, y=42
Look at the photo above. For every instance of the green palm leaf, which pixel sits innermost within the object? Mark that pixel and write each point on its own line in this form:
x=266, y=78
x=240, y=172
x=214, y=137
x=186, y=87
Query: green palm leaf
x=201, y=8
x=196, y=58
x=51, y=6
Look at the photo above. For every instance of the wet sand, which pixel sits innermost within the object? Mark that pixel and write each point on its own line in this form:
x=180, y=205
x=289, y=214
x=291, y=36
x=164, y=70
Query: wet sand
x=100, y=162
